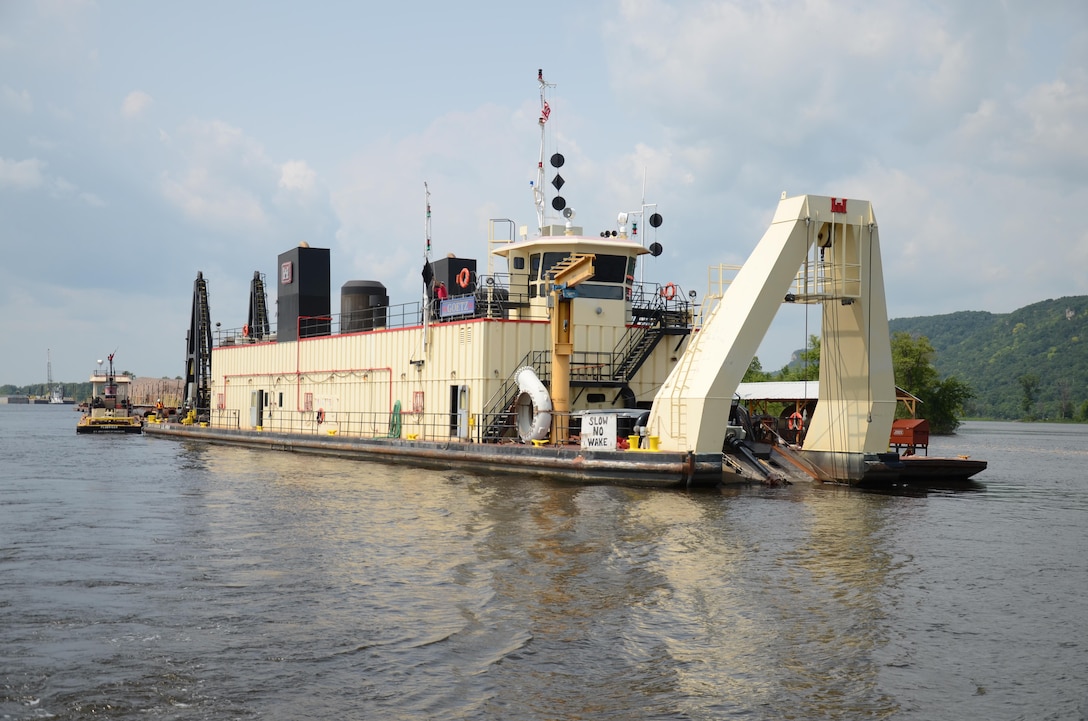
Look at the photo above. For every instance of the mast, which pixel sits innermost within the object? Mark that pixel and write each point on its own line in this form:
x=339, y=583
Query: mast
x=538, y=186
x=427, y=272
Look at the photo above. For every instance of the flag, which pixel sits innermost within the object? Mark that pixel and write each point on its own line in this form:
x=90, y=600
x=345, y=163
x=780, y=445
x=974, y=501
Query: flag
x=545, y=112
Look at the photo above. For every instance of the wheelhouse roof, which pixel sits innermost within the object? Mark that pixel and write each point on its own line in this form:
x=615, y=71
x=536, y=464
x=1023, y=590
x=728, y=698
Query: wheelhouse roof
x=574, y=243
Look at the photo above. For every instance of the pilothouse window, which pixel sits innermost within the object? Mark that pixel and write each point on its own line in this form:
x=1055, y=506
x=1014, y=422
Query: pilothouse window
x=606, y=268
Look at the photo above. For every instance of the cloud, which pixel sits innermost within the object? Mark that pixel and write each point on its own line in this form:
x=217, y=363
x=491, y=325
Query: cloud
x=297, y=175
x=212, y=201
x=214, y=175
x=135, y=103
x=245, y=205
x=22, y=174
x=30, y=175
x=18, y=99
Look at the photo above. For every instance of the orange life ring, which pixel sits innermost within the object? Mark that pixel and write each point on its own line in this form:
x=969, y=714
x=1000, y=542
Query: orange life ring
x=797, y=421
x=669, y=291
x=463, y=278
x=320, y=416
x=245, y=331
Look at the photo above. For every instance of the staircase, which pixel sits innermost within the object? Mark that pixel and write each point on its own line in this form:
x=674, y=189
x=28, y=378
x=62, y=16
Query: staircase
x=659, y=318
x=497, y=419
x=655, y=319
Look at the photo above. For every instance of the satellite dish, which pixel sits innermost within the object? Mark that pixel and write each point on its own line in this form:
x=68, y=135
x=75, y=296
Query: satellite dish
x=655, y=249
x=568, y=213
x=656, y=220
x=622, y=218
x=557, y=160
x=558, y=202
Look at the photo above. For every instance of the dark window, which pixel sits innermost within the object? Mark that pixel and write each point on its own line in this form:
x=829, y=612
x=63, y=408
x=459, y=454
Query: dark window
x=534, y=266
x=595, y=397
x=519, y=262
x=606, y=268
x=610, y=269
x=597, y=290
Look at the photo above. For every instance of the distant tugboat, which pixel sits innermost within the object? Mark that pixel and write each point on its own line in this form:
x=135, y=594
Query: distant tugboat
x=110, y=407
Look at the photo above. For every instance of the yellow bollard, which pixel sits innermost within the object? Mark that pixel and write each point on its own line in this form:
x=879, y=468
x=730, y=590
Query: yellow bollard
x=653, y=442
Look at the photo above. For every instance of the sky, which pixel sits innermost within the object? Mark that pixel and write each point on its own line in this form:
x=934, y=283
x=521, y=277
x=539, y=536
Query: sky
x=142, y=142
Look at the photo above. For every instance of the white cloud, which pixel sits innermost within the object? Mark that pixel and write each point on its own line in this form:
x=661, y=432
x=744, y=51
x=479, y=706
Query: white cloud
x=18, y=99
x=297, y=175
x=135, y=103
x=215, y=177
x=22, y=174
x=30, y=175
x=1058, y=132
x=213, y=201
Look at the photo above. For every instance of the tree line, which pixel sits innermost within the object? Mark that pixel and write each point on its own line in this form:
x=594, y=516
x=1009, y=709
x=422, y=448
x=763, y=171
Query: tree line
x=913, y=360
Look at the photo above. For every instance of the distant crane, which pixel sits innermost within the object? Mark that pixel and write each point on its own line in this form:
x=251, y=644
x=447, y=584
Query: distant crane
x=198, y=358
x=56, y=393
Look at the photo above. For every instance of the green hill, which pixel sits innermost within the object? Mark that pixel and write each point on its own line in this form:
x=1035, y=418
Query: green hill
x=992, y=352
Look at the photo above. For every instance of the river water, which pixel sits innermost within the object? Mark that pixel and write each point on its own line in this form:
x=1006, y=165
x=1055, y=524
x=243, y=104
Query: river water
x=144, y=578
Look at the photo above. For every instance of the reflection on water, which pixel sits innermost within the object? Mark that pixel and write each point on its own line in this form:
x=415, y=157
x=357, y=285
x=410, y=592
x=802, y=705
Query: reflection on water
x=147, y=578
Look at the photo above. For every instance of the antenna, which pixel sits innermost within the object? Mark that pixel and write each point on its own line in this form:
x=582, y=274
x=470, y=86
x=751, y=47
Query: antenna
x=427, y=221
x=426, y=303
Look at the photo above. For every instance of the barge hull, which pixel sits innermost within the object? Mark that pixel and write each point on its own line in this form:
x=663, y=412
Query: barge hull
x=636, y=469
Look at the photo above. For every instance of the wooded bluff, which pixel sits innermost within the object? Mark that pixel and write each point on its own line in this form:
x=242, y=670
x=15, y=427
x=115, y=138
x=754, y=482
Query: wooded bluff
x=1031, y=363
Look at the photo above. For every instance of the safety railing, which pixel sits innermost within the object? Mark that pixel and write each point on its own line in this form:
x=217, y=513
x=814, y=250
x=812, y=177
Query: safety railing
x=434, y=427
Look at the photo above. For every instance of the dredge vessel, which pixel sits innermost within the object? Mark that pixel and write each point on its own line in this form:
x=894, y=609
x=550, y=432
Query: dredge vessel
x=550, y=358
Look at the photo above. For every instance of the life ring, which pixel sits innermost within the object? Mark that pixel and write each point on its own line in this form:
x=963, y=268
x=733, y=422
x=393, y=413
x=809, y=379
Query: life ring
x=320, y=416
x=669, y=291
x=463, y=278
x=796, y=422
x=245, y=331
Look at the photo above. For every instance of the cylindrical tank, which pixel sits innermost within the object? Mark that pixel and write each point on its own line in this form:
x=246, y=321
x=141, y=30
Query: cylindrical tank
x=364, y=305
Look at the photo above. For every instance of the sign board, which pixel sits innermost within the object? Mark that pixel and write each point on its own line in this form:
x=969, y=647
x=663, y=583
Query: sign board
x=462, y=305
x=599, y=431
